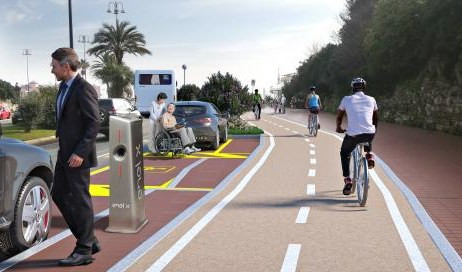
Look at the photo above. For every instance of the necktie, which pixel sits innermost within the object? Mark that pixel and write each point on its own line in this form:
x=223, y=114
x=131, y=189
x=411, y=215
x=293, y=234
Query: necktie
x=62, y=95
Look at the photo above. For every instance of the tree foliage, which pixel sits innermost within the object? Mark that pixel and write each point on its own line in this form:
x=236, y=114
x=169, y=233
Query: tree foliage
x=119, y=40
x=389, y=43
x=227, y=93
x=117, y=77
x=8, y=91
x=188, y=92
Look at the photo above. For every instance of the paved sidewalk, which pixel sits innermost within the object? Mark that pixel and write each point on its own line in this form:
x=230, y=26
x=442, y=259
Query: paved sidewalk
x=429, y=163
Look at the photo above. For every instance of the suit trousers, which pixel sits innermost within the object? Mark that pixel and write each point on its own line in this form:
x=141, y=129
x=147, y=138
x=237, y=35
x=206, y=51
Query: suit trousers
x=72, y=196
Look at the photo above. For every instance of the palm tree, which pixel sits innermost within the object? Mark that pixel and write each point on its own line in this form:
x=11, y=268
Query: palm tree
x=117, y=77
x=119, y=40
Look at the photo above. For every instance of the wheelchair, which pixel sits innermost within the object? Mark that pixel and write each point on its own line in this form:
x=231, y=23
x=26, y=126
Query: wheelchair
x=168, y=141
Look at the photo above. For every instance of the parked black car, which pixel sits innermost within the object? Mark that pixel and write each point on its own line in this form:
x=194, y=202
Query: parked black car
x=26, y=177
x=210, y=126
x=115, y=107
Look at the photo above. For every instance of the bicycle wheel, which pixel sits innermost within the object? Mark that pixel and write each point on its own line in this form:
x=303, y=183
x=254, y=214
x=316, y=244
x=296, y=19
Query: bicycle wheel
x=354, y=168
x=363, y=182
x=315, y=125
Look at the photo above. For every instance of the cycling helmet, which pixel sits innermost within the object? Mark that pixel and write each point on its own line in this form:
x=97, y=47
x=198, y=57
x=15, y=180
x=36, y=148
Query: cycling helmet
x=358, y=83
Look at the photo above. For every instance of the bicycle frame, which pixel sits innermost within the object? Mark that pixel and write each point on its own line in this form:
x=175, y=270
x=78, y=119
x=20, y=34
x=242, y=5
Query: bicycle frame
x=359, y=172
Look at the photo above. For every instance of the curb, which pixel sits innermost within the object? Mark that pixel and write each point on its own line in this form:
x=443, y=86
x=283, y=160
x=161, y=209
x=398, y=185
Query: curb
x=42, y=141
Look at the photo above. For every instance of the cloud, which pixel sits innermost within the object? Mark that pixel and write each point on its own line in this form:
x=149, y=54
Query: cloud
x=20, y=12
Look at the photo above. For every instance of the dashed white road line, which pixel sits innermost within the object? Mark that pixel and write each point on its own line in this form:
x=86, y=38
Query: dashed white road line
x=312, y=173
x=312, y=161
x=291, y=258
x=311, y=189
x=307, y=140
x=296, y=132
x=281, y=126
x=312, y=145
x=312, y=152
x=302, y=216
x=287, y=129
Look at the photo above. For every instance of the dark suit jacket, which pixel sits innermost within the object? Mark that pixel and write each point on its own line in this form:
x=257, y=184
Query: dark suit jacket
x=78, y=124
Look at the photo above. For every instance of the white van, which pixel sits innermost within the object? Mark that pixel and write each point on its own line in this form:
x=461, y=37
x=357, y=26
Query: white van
x=149, y=83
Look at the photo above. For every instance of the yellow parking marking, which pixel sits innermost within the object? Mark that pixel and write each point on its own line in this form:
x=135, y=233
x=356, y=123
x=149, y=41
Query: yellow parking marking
x=149, y=169
x=223, y=146
x=103, y=189
x=99, y=170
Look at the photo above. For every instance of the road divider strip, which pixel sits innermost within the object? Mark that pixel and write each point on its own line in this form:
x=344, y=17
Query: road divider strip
x=168, y=256
x=152, y=241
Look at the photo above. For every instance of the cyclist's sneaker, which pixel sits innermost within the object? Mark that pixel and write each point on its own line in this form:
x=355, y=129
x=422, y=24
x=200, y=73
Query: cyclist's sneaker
x=370, y=160
x=347, y=187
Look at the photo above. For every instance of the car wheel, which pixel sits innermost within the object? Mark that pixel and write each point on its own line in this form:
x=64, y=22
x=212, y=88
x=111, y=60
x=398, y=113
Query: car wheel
x=225, y=134
x=32, y=218
x=216, y=141
x=104, y=117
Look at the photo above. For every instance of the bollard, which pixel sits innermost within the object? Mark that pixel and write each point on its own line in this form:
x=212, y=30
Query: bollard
x=126, y=210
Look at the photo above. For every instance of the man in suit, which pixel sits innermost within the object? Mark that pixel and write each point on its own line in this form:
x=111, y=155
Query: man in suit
x=78, y=122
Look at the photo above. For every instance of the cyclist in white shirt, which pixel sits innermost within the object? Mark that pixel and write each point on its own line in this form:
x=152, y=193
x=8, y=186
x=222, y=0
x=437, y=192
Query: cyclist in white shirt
x=157, y=109
x=362, y=114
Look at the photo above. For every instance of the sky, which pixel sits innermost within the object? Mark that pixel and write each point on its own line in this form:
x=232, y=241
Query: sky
x=251, y=39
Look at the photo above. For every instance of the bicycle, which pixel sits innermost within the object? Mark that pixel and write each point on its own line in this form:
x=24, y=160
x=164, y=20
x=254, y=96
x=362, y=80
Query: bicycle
x=313, y=125
x=359, y=172
x=256, y=111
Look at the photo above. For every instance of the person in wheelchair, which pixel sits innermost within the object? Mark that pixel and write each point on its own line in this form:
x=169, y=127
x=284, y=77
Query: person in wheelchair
x=186, y=134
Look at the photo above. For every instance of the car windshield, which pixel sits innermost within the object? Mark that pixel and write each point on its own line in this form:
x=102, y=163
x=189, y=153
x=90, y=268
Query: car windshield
x=188, y=111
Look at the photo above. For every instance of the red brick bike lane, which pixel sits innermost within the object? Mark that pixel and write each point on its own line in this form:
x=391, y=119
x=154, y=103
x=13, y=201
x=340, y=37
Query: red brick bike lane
x=162, y=205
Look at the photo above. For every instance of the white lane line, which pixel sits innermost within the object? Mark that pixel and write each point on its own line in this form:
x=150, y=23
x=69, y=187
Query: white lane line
x=281, y=126
x=312, y=161
x=287, y=129
x=307, y=140
x=296, y=132
x=291, y=258
x=168, y=256
x=107, y=154
x=302, y=216
x=412, y=249
x=312, y=173
x=312, y=145
x=448, y=251
x=311, y=189
x=312, y=152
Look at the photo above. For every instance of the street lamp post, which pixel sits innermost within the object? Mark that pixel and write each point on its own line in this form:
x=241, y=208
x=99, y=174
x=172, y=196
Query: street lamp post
x=71, y=36
x=184, y=74
x=115, y=7
x=27, y=53
x=84, y=39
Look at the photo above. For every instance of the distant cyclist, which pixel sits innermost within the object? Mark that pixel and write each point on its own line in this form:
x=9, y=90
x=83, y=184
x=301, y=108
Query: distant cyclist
x=362, y=113
x=313, y=103
x=256, y=99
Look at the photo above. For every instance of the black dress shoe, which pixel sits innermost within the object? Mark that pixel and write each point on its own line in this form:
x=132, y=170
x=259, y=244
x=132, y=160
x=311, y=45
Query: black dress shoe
x=76, y=259
x=95, y=247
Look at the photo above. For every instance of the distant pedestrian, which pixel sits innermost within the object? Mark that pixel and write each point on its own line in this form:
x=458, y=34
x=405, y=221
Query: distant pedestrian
x=157, y=109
